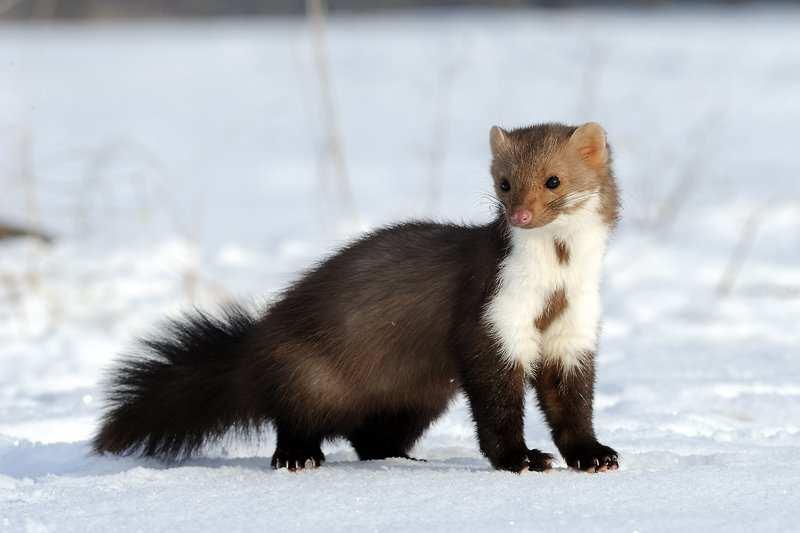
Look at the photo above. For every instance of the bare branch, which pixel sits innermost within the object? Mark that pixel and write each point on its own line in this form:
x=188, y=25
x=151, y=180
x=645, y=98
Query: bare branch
x=11, y=231
x=744, y=246
x=316, y=17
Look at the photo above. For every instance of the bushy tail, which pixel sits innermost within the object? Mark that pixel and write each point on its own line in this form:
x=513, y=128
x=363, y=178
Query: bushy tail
x=182, y=390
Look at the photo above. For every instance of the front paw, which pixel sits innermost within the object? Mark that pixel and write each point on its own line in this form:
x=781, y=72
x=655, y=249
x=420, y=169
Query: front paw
x=592, y=457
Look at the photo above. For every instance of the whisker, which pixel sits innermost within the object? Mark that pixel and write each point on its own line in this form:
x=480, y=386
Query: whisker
x=486, y=197
x=574, y=194
x=571, y=198
x=493, y=202
x=581, y=197
x=563, y=198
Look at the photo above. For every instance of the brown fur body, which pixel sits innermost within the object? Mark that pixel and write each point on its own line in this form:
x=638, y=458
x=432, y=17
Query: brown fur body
x=371, y=345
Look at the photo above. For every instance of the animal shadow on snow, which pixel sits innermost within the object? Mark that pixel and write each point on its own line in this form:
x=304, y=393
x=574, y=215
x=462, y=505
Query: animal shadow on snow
x=23, y=459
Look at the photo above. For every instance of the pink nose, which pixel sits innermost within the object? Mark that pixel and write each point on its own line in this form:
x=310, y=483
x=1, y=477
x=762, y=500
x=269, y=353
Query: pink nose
x=521, y=217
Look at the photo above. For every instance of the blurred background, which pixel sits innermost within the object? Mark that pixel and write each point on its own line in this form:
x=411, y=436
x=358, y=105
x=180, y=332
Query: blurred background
x=157, y=155
x=104, y=9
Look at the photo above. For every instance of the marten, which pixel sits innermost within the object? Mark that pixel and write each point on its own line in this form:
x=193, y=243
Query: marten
x=373, y=343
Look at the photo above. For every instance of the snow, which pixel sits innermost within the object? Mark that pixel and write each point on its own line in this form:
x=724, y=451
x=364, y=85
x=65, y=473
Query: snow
x=183, y=164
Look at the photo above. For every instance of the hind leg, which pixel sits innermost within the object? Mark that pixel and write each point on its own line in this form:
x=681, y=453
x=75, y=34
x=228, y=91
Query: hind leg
x=390, y=434
x=296, y=450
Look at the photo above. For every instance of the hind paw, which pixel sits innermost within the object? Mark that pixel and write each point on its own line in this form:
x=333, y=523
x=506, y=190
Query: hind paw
x=297, y=460
x=539, y=461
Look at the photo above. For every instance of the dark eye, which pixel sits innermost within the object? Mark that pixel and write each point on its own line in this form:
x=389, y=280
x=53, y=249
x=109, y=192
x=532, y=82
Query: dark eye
x=552, y=182
x=505, y=186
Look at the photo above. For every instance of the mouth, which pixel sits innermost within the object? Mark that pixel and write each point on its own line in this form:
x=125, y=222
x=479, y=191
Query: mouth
x=529, y=225
x=532, y=224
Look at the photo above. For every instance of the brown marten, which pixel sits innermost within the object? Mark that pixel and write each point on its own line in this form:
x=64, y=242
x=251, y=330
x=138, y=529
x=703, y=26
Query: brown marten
x=373, y=343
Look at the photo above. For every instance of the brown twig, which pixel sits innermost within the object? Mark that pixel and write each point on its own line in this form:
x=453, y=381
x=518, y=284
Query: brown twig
x=11, y=231
x=744, y=246
x=316, y=16
x=691, y=166
x=447, y=76
x=596, y=61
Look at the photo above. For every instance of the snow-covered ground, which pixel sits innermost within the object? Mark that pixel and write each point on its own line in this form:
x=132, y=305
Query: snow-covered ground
x=185, y=164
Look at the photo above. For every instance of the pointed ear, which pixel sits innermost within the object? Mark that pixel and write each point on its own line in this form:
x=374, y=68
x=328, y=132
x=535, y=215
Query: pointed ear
x=499, y=140
x=589, y=141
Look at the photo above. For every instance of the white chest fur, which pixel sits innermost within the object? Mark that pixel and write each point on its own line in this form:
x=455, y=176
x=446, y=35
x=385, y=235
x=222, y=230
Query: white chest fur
x=529, y=276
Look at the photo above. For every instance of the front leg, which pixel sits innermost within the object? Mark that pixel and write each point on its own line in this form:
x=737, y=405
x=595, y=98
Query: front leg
x=496, y=394
x=565, y=396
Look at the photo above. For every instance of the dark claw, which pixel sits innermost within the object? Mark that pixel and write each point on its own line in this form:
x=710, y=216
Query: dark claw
x=295, y=460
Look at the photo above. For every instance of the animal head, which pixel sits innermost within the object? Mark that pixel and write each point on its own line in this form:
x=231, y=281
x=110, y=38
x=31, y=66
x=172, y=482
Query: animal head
x=548, y=172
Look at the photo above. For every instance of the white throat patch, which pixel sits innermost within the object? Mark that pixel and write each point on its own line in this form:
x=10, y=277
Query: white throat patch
x=532, y=272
